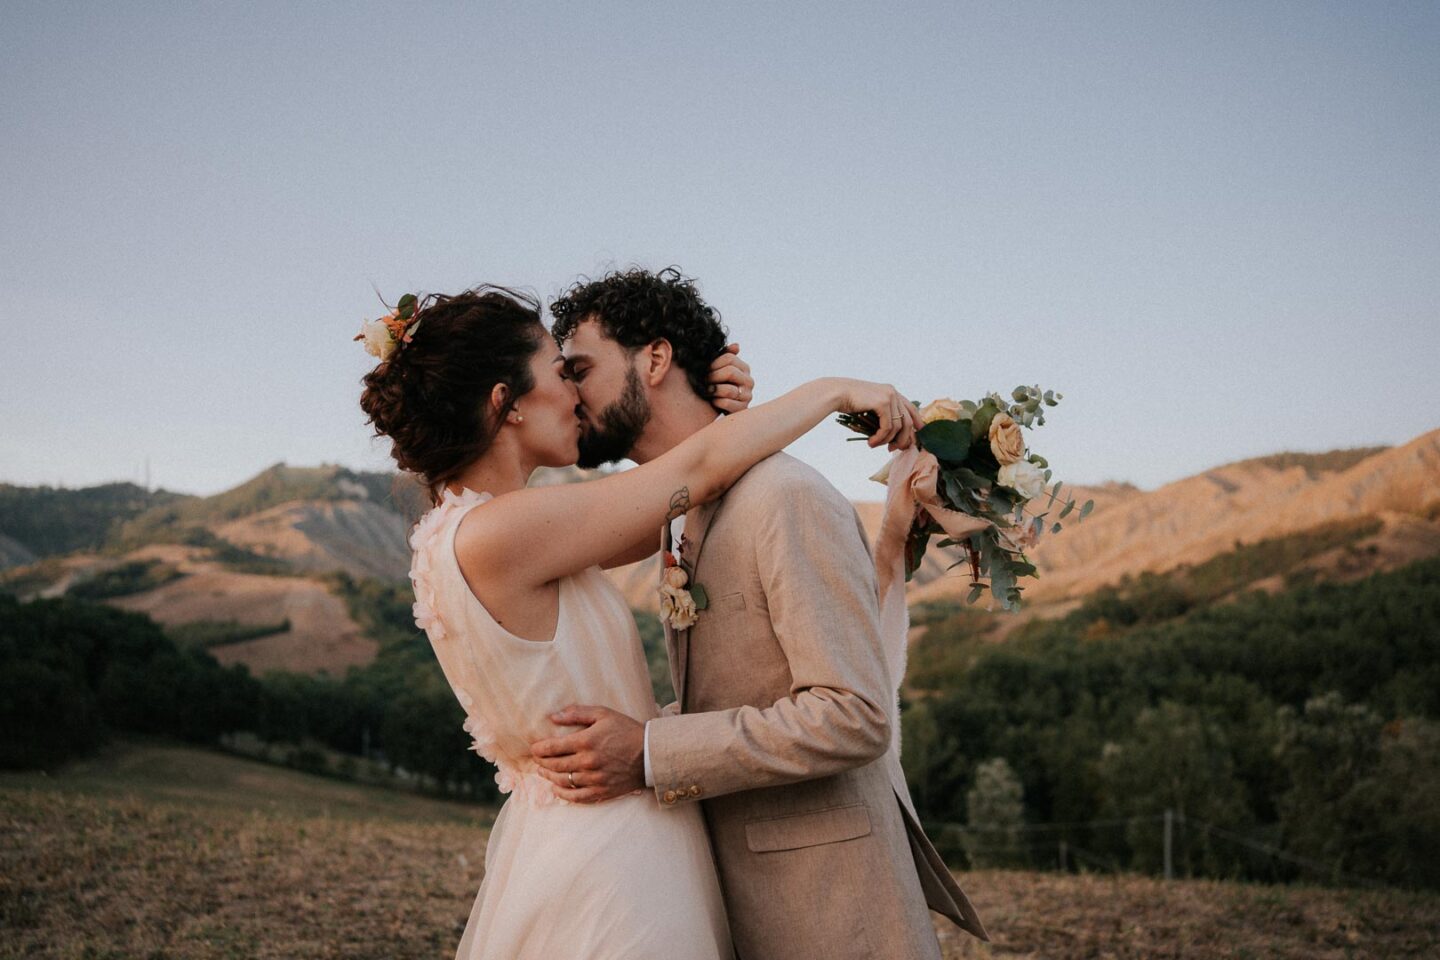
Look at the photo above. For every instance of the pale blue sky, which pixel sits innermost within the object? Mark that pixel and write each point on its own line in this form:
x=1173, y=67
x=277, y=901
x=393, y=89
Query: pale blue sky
x=1215, y=227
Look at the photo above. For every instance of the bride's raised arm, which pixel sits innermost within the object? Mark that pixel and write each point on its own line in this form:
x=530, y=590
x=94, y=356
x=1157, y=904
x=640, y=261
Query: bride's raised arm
x=550, y=532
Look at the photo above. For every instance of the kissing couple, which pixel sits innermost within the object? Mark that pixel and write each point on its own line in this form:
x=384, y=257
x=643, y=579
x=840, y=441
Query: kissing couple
x=764, y=813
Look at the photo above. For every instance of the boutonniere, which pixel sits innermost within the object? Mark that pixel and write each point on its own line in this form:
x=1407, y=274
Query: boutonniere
x=680, y=600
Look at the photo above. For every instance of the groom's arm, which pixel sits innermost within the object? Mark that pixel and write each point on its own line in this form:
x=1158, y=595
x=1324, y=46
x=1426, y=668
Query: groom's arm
x=819, y=584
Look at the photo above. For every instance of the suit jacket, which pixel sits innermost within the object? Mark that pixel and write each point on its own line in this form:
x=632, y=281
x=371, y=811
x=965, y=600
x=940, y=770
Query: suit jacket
x=783, y=731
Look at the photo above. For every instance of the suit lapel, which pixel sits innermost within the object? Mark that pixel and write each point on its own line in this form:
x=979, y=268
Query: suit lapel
x=697, y=522
x=666, y=546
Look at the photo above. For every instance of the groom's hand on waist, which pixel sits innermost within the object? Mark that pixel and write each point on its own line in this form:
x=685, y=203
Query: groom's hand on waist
x=606, y=758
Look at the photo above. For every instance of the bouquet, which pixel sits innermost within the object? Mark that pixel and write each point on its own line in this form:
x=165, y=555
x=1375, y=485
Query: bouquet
x=975, y=482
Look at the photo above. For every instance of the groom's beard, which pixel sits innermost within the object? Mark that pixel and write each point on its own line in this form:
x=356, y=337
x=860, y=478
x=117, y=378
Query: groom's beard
x=621, y=424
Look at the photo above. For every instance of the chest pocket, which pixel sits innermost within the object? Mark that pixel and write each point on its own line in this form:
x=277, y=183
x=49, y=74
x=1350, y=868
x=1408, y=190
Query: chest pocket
x=724, y=606
x=808, y=829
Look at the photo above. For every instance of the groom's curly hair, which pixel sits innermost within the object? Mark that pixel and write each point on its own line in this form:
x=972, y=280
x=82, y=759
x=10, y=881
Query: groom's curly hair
x=636, y=307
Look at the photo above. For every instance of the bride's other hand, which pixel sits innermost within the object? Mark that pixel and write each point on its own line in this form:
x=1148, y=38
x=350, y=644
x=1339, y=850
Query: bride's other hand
x=898, y=418
x=731, y=385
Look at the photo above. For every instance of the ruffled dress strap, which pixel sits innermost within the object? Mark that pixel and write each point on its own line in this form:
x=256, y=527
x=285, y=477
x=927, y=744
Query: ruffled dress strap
x=455, y=648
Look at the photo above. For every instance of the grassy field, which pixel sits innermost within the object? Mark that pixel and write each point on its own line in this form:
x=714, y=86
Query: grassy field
x=158, y=851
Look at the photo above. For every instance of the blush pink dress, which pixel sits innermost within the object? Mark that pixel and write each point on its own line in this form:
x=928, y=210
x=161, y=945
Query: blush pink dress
x=619, y=879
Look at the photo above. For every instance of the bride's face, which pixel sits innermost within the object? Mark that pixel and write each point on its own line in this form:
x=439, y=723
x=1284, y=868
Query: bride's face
x=551, y=428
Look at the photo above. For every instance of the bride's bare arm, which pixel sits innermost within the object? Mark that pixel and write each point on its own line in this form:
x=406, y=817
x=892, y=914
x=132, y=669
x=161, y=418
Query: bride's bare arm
x=554, y=531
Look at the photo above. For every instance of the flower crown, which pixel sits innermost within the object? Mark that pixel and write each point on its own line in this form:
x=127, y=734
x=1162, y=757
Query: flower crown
x=386, y=334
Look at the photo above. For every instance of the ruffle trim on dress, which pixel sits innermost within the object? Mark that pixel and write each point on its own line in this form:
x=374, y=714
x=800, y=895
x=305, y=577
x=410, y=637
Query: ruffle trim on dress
x=532, y=787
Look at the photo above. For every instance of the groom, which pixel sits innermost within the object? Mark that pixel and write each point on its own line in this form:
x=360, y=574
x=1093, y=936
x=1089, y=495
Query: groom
x=782, y=725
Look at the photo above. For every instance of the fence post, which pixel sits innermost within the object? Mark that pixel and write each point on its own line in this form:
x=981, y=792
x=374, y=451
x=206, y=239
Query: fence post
x=1169, y=835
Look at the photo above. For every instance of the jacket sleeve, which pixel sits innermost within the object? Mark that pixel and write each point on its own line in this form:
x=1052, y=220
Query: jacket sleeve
x=819, y=584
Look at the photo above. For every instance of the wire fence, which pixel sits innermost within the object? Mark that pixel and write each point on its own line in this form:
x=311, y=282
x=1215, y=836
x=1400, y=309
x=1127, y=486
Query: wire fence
x=1057, y=838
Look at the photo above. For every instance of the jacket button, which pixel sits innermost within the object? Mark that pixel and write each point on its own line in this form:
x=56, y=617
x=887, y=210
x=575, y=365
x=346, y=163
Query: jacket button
x=669, y=796
x=694, y=790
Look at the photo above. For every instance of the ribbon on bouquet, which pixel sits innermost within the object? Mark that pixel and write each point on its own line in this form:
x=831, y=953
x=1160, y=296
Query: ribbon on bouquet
x=910, y=490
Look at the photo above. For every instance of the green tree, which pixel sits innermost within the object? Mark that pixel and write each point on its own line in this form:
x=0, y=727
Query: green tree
x=996, y=808
x=1332, y=752
x=1176, y=757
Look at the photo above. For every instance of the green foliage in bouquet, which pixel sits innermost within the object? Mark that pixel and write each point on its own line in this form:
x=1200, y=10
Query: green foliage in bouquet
x=987, y=471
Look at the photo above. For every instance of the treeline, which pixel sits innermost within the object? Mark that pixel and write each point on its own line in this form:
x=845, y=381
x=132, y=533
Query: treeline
x=56, y=520
x=1306, y=722
x=74, y=673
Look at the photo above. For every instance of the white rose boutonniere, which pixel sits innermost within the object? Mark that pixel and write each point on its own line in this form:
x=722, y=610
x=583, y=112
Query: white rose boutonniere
x=679, y=607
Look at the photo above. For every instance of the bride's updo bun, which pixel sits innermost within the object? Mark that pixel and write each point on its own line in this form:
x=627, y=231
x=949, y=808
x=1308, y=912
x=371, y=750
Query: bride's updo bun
x=432, y=396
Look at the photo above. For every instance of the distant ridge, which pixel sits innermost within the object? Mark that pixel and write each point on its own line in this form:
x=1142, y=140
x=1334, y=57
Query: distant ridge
x=49, y=521
x=261, y=552
x=1193, y=519
x=1314, y=464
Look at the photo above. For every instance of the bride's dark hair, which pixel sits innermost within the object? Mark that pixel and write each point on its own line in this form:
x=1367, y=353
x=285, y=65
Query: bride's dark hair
x=432, y=396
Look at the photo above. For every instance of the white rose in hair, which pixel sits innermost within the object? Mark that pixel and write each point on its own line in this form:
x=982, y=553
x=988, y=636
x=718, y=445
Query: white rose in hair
x=379, y=342
x=1023, y=477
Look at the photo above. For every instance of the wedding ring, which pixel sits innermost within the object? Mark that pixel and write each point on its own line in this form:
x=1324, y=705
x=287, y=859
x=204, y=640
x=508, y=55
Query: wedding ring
x=571, y=775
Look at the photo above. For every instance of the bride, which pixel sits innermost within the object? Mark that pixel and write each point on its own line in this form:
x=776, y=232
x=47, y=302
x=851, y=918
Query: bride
x=473, y=395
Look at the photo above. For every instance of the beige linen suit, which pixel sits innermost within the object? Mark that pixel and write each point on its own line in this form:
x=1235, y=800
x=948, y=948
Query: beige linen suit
x=783, y=733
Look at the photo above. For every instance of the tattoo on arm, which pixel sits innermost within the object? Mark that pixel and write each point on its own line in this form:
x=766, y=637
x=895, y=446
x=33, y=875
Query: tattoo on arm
x=679, y=503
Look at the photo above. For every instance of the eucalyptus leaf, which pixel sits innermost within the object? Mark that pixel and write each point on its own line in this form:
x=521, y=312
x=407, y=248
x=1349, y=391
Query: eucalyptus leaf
x=701, y=598
x=1066, y=512
x=976, y=592
x=1085, y=510
x=1055, y=529
x=980, y=423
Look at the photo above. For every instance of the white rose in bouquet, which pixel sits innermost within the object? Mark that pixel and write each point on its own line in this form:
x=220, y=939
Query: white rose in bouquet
x=1023, y=477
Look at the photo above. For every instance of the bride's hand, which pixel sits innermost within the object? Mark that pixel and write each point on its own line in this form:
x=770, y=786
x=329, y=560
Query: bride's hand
x=898, y=418
x=731, y=386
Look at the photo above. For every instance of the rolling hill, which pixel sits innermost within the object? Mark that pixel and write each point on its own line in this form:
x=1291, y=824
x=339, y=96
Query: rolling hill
x=262, y=552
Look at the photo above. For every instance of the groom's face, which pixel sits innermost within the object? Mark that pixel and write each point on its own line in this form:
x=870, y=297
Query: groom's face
x=614, y=407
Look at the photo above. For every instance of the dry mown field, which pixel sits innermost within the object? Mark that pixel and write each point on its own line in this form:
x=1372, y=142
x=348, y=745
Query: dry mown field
x=155, y=851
